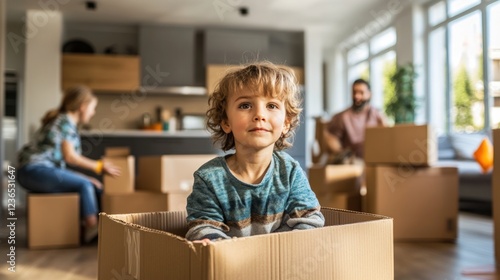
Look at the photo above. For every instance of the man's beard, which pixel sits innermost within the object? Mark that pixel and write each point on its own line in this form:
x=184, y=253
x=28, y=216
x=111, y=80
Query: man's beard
x=359, y=107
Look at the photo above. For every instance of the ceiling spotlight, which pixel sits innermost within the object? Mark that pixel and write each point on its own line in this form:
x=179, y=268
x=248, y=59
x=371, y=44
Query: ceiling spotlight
x=91, y=5
x=243, y=11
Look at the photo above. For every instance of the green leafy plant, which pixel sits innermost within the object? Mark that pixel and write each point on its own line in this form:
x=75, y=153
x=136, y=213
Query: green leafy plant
x=402, y=105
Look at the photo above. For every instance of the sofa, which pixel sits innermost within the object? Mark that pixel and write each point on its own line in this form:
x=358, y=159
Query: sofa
x=475, y=186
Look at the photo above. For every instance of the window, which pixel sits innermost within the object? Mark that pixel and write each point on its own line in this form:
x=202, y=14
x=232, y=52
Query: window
x=374, y=61
x=458, y=99
x=437, y=13
x=458, y=6
x=466, y=70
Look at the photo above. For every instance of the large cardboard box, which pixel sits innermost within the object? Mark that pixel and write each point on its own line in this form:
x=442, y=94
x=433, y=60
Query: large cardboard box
x=422, y=200
x=143, y=201
x=414, y=145
x=169, y=173
x=337, y=186
x=496, y=195
x=352, y=245
x=53, y=220
x=121, y=158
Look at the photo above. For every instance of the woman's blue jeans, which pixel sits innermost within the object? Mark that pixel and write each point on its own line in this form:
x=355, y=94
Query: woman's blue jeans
x=46, y=179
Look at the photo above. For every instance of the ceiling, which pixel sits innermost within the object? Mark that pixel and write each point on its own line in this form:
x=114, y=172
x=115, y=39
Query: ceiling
x=334, y=17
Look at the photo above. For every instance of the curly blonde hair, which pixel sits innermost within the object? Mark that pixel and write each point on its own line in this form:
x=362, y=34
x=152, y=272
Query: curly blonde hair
x=265, y=78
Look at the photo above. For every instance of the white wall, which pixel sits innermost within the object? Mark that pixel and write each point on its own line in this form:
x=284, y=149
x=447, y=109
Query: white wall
x=410, y=27
x=42, y=81
x=337, y=90
x=313, y=57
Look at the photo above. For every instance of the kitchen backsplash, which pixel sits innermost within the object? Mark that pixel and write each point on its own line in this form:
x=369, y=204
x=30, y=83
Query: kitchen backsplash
x=125, y=111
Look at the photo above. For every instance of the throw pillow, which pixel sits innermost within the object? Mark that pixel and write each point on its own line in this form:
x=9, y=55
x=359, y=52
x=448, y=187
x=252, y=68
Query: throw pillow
x=484, y=155
x=465, y=144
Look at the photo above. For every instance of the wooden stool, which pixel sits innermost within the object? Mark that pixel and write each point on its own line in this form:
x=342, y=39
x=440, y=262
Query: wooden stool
x=53, y=220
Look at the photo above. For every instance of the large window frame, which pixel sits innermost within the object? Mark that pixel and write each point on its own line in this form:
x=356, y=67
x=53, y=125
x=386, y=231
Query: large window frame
x=368, y=60
x=482, y=7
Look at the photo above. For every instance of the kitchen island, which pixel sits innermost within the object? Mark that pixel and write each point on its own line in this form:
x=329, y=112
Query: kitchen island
x=144, y=143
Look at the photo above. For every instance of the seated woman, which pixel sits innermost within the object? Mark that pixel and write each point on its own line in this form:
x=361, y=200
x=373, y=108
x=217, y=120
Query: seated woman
x=42, y=162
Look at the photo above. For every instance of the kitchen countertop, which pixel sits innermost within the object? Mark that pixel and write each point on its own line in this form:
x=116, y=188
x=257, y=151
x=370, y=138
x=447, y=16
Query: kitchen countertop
x=146, y=133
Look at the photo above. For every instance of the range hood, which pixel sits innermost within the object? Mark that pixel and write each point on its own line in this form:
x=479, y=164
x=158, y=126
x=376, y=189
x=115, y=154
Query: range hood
x=175, y=90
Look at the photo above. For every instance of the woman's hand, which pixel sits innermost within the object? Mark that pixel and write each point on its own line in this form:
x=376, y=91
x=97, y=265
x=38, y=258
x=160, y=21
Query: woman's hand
x=109, y=169
x=95, y=182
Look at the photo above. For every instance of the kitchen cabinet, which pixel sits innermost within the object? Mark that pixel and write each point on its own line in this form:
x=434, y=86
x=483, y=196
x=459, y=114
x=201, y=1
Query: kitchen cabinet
x=223, y=46
x=216, y=72
x=116, y=73
x=170, y=56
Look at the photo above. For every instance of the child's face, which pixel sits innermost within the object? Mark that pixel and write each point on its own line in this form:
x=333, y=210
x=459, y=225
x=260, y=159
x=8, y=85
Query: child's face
x=256, y=121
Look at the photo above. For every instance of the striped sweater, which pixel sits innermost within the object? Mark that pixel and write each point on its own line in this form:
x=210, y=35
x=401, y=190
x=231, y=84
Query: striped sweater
x=221, y=206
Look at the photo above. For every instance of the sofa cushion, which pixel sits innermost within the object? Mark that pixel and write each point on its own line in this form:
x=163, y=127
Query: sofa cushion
x=445, y=149
x=465, y=144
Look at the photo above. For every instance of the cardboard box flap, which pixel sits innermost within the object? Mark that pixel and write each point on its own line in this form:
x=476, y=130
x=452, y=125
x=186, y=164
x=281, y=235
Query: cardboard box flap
x=172, y=223
x=117, y=152
x=344, y=217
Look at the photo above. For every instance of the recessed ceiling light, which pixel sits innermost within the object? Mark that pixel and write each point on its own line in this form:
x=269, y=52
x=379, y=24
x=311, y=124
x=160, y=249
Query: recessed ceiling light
x=243, y=11
x=91, y=5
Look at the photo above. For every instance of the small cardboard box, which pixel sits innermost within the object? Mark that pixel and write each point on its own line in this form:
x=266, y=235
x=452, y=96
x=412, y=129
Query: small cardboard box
x=422, y=200
x=496, y=196
x=413, y=145
x=169, y=173
x=337, y=186
x=352, y=245
x=335, y=178
x=121, y=158
x=143, y=201
x=53, y=220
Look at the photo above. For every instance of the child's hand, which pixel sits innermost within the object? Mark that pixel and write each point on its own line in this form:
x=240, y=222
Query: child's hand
x=204, y=241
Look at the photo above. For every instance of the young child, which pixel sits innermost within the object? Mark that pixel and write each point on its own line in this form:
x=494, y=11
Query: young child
x=258, y=189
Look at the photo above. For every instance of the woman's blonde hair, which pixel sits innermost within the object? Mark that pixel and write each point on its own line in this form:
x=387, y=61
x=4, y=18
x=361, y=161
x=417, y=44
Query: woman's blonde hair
x=72, y=100
x=264, y=78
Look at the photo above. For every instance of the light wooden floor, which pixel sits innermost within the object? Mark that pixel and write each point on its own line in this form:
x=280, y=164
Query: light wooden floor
x=443, y=261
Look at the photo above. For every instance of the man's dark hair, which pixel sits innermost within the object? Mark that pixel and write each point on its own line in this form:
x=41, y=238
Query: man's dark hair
x=362, y=81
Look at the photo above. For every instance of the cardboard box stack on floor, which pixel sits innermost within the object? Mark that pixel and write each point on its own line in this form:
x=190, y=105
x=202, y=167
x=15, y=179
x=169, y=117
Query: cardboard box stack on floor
x=125, y=194
x=402, y=183
x=337, y=186
x=496, y=197
x=352, y=245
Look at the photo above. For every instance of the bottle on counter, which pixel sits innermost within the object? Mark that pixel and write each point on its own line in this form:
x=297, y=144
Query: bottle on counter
x=165, y=119
x=146, y=121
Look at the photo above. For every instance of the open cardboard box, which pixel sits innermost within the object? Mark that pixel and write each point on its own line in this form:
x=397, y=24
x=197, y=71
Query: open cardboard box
x=352, y=245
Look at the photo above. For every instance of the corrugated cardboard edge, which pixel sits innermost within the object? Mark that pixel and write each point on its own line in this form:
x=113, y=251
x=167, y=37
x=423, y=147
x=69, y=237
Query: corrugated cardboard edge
x=202, y=258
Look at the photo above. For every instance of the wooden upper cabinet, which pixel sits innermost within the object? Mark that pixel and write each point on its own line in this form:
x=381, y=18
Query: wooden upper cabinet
x=110, y=73
x=215, y=72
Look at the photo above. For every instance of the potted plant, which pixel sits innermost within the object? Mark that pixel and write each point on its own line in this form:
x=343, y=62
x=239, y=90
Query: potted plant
x=401, y=107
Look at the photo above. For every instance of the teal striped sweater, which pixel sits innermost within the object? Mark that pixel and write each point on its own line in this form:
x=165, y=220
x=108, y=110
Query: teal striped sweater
x=221, y=206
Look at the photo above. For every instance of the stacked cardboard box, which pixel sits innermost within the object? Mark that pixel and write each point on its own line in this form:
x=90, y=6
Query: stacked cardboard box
x=496, y=197
x=352, y=245
x=402, y=182
x=337, y=186
x=160, y=185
